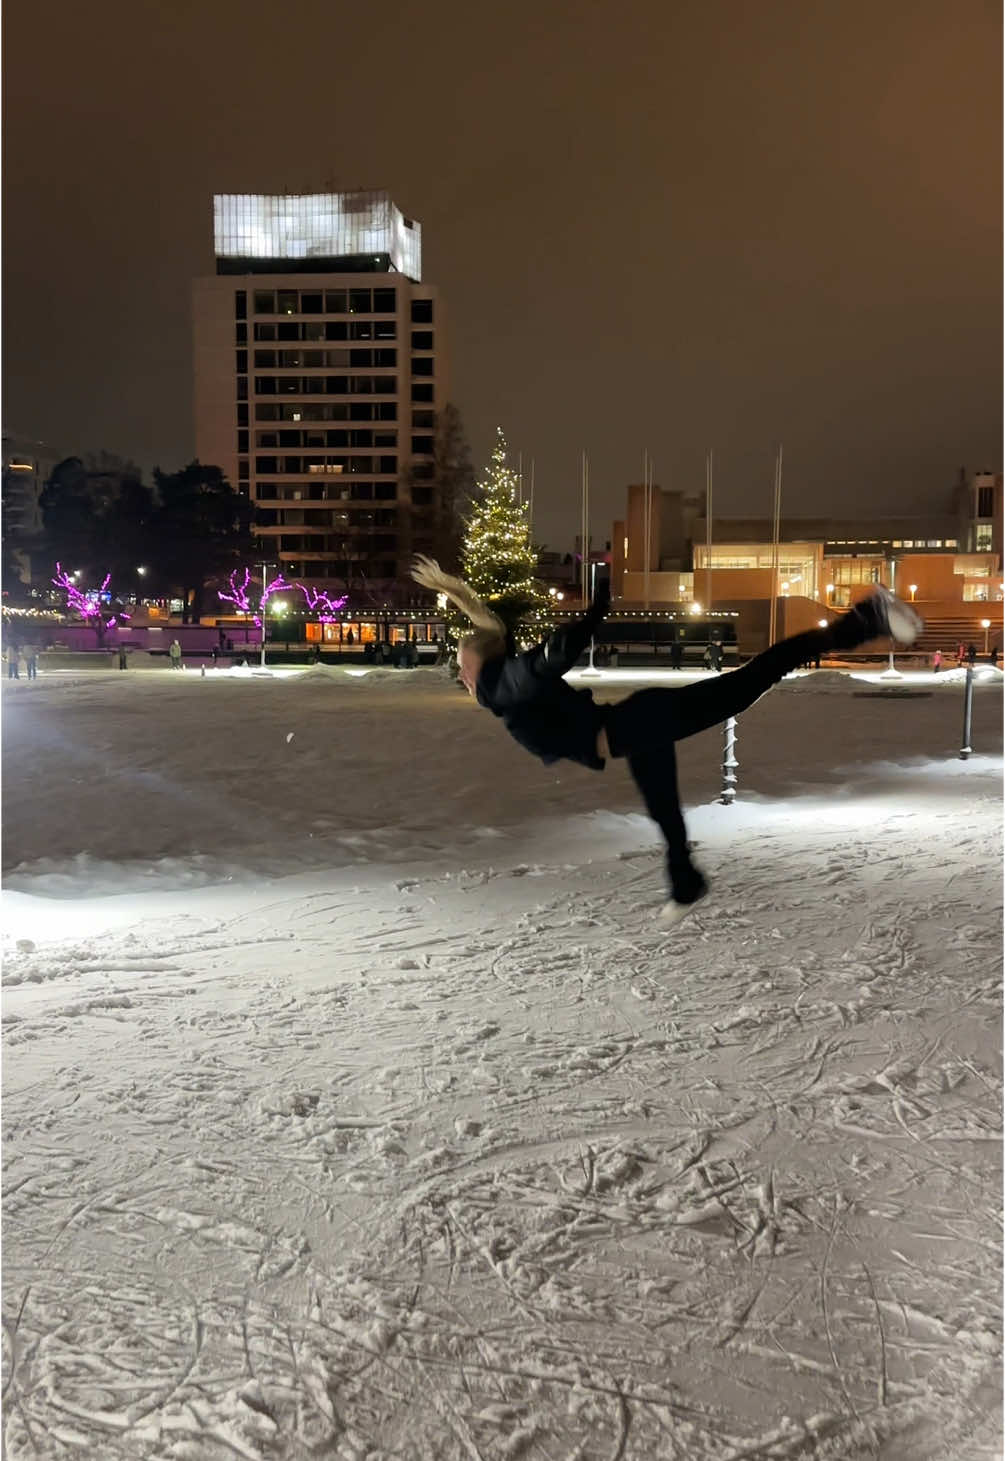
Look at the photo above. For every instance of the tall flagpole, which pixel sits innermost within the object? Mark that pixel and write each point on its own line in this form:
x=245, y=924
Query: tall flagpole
x=775, y=533
x=647, y=529
x=585, y=544
x=708, y=531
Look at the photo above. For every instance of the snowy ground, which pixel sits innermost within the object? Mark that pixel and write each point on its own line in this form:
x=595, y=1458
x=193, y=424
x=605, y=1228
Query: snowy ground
x=357, y=1106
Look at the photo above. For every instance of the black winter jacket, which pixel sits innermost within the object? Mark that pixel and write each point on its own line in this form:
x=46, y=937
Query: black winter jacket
x=538, y=708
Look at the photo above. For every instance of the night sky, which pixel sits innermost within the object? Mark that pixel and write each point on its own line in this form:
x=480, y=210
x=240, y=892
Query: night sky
x=656, y=224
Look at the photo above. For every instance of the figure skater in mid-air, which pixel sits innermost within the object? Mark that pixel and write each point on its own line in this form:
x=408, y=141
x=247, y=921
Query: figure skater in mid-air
x=553, y=721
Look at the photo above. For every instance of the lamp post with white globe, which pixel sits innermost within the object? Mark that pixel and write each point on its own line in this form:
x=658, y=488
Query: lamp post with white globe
x=986, y=626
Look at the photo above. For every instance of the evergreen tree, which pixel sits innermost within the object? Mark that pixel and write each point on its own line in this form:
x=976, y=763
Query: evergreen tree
x=497, y=558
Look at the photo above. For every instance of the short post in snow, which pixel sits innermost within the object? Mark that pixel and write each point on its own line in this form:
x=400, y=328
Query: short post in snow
x=968, y=714
x=729, y=762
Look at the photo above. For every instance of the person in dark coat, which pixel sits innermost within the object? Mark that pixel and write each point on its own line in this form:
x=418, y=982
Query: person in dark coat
x=676, y=654
x=994, y=656
x=123, y=658
x=553, y=721
x=971, y=654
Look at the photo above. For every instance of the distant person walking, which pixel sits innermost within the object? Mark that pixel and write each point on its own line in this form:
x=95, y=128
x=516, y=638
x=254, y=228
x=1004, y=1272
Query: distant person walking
x=174, y=654
x=961, y=653
x=937, y=661
x=123, y=657
x=971, y=654
x=31, y=662
x=13, y=666
x=994, y=657
x=676, y=655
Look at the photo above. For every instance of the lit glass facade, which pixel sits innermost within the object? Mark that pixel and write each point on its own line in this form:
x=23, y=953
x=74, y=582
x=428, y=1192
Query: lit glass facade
x=321, y=226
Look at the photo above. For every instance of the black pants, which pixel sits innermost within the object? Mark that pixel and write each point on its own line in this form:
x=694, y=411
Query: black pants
x=644, y=727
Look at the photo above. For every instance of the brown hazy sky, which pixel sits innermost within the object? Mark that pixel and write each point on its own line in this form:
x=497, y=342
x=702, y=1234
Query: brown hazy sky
x=656, y=224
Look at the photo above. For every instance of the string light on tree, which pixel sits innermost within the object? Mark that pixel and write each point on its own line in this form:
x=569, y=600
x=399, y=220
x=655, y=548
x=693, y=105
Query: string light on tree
x=497, y=558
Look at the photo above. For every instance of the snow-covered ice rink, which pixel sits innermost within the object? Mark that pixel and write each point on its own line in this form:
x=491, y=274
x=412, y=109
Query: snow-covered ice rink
x=356, y=1105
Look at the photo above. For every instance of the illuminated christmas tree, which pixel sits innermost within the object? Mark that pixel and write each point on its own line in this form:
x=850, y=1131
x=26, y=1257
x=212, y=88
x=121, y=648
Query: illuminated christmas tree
x=497, y=558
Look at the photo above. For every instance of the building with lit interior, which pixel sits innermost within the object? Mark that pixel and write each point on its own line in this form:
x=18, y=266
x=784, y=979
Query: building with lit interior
x=949, y=563
x=319, y=369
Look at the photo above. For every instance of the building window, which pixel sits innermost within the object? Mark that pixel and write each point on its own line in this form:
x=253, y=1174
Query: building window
x=265, y=332
x=385, y=411
x=425, y=419
x=422, y=445
x=985, y=501
x=387, y=466
x=242, y=470
x=982, y=539
x=242, y=414
x=385, y=358
x=422, y=366
x=422, y=311
x=385, y=438
x=335, y=301
x=361, y=330
x=242, y=441
x=422, y=393
x=242, y=387
x=287, y=332
x=360, y=301
x=336, y=330
x=241, y=362
x=422, y=496
x=360, y=357
x=385, y=301
x=311, y=304
x=384, y=329
x=386, y=491
x=240, y=304
x=286, y=301
x=265, y=302
x=240, y=334
x=422, y=339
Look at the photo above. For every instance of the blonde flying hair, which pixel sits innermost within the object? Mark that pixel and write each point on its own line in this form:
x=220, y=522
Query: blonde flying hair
x=488, y=638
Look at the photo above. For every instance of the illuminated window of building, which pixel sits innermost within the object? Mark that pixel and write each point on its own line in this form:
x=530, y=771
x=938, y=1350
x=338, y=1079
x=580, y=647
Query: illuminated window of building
x=982, y=541
x=970, y=565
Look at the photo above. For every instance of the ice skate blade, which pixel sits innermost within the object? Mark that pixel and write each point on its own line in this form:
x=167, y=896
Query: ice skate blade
x=673, y=913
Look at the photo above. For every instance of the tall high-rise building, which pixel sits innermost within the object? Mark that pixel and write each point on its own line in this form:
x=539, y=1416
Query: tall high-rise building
x=319, y=373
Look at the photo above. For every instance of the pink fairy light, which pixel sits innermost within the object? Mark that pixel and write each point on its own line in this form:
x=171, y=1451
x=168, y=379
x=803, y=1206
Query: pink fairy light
x=317, y=600
x=87, y=605
x=240, y=597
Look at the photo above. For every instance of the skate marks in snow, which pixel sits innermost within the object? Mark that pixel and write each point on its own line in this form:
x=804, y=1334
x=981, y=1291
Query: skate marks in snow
x=520, y=1177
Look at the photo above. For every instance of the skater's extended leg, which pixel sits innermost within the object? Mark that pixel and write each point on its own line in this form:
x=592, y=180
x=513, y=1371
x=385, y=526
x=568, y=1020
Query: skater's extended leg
x=650, y=719
x=655, y=775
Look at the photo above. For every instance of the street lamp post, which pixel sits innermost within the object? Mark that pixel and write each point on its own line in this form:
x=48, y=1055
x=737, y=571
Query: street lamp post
x=265, y=591
x=986, y=626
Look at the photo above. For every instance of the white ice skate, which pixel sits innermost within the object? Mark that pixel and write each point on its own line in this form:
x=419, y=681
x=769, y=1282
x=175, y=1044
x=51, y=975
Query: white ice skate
x=902, y=623
x=673, y=912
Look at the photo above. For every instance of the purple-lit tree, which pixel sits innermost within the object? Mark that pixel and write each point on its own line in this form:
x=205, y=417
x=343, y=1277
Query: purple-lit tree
x=88, y=605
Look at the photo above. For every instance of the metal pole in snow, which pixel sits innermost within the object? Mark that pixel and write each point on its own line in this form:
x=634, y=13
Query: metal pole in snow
x=729, y=763
x=968, y=711
x=265, y=589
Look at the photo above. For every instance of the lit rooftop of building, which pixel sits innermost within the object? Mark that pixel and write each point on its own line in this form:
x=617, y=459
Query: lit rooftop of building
x=360, y=231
